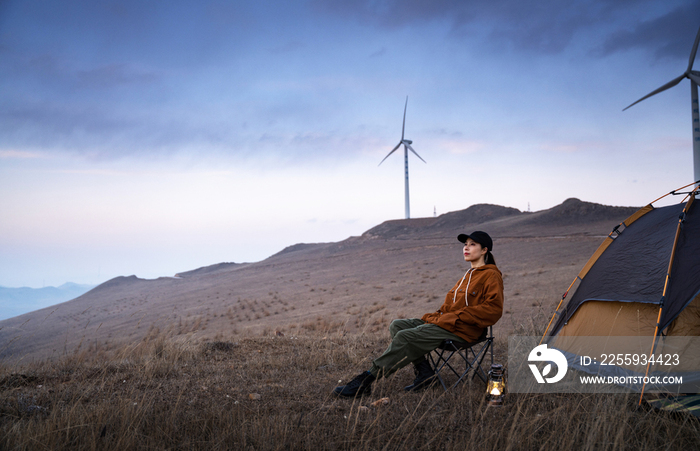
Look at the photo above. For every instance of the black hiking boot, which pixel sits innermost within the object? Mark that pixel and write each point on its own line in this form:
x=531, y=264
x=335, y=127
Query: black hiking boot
x=360, y=385
x=425, y=376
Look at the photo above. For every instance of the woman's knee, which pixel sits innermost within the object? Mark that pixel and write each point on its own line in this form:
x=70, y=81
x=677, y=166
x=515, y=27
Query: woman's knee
x=404, y=323
x=403, y=337
x=396, y=326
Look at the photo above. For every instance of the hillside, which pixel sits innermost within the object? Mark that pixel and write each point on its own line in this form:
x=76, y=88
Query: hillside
x=397, y=269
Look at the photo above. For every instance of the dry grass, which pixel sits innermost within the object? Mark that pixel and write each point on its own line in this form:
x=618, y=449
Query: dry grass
x=166, y=392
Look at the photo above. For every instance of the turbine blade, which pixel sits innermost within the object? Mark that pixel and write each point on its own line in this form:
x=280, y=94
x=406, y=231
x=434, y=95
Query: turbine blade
x=668, y=85
x=694, y=51
x=403, y=127
x=695, y=77
x=392, y=151
x=411, y=148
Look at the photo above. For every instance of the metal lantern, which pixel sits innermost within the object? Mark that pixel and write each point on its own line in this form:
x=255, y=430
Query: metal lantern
x=496, y=386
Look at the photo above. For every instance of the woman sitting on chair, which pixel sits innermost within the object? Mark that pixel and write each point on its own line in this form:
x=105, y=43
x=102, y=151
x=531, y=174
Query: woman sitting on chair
x=474, y=303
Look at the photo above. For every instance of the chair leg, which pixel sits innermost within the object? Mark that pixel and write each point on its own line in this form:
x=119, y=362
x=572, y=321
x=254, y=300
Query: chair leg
x=441, y=361
x=479, y=370
x=437, y=366
x=472, y=360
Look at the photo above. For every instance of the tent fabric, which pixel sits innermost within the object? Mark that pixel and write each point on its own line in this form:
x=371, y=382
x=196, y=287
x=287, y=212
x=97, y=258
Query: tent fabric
x=604, y=245
x=596, y=319
x=687, y=323
x=682, y=403
x=606, y=319
x=641, y=212
x=644, y=282
x=633, y=267
x=594, y=258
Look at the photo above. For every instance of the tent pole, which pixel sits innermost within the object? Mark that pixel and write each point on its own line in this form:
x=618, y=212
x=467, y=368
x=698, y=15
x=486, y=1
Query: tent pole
x=696, y=129
x=696, y=182
x=663, y=295
x=651, y=353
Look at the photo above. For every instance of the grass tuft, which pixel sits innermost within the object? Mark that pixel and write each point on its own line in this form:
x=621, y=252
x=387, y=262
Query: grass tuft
x=274, y=392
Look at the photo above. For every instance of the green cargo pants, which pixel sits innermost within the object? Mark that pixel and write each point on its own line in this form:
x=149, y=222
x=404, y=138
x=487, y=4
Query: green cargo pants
x=411, y=340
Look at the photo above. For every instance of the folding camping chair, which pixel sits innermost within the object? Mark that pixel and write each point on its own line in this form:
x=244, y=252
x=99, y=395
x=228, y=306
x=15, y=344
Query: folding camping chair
x=472, y=354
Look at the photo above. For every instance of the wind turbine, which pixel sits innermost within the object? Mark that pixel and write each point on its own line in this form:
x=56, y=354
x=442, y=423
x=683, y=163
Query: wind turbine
x=406, y=147
x=694, y=77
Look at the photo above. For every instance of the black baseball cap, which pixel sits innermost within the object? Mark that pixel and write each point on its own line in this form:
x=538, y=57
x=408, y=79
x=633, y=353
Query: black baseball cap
x=482, y=238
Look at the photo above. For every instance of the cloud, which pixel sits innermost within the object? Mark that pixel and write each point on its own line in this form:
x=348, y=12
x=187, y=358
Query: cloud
x=100, y=133
x=462, y=147
x=106, y=134
x=42, y=125
x=668, y=36
x=69, y=75
x=7, y=154
x=545, y=25
x=541, y=26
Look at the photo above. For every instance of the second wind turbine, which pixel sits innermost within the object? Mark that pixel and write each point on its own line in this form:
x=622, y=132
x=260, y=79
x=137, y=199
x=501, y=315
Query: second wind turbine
x=406, y=147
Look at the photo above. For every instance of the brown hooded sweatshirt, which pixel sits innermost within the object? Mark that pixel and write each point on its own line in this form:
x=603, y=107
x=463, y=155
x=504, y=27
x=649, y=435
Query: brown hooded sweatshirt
x=483, y=308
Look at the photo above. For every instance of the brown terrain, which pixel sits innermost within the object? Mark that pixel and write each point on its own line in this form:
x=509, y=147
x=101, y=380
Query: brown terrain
x=246, y=356
x=400, y=268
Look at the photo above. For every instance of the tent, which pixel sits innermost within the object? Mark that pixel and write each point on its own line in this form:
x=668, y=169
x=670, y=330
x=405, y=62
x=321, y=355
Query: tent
x=643, y=281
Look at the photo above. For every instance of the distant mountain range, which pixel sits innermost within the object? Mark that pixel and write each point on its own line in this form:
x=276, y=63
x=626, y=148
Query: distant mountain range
x=16, y=301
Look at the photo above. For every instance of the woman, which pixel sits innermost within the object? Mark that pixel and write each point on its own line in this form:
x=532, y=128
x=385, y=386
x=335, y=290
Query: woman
x=474, y=303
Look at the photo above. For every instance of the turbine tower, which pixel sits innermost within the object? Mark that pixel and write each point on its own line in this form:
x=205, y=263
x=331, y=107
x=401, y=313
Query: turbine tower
x=694, y=77
x=406, y=147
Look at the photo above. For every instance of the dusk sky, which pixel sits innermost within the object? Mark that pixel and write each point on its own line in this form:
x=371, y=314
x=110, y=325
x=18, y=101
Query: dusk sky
x=154, y=137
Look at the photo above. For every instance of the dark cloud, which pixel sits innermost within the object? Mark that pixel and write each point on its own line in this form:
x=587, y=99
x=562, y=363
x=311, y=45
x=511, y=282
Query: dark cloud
x=668, y=36
x=543, y=26
x=175, y=34
x=102, y=134
x=95, y=132
x=63, y=74
x=49, y=126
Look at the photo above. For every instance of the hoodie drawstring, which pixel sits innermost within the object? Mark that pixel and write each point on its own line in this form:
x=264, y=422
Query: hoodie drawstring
x=466, y=290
